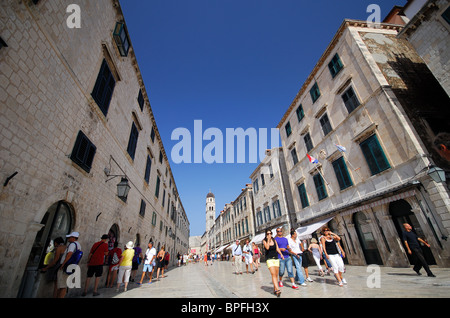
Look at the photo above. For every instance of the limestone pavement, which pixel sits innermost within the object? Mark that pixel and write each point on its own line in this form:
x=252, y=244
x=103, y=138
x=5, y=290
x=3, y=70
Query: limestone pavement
x=219, y=281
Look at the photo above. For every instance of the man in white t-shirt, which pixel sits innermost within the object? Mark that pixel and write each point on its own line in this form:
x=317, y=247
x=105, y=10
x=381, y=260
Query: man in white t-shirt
x=149, y=262
x=248, y=255
x=236, y=251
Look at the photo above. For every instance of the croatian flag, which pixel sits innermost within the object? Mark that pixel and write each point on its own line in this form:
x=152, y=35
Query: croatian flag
x=312, y=159
x=341, y=148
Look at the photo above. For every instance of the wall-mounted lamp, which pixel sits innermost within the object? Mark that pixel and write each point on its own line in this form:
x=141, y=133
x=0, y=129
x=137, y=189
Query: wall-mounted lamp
x=436, y=173
x=122, y=187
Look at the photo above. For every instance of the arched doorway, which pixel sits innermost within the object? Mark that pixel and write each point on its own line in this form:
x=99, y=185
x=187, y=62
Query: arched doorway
x=367, y=239
x=57, y=222
x=401, y=213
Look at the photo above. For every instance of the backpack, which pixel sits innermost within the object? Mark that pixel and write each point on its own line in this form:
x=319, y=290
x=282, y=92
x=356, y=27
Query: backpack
x=115, y=259
x=74, y=259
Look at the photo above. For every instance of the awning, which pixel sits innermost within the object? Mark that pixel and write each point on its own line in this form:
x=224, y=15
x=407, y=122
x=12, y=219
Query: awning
x=304, y=232
x=220, y=249
x=260, y=237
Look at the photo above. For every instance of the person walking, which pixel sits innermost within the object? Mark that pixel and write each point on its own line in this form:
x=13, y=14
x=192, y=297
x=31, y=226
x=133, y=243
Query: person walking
x=96, y=259
x=125, y=265
x=149, y=262
x=256, y=255
x=137, y=259
x=52, y=267
x=325, y=260
x=160, y=263
x=114, y=259
x=272, y=252
x=248, y=256
x=305, y=260
x=294, y=244
x=411, y=241
x=62, y=276
x=316, y=251
x=236, y=252
x=331, y=243
x=286, y=261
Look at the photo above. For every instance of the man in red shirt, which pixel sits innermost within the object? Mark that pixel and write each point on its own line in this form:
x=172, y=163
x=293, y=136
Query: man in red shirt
x=96, y=259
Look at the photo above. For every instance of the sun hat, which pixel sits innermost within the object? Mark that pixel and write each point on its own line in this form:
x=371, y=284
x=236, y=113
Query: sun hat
x=73, y=234
x=130, y=244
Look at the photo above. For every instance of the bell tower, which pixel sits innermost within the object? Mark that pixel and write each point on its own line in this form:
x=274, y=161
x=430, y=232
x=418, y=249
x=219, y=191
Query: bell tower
x=210, y=210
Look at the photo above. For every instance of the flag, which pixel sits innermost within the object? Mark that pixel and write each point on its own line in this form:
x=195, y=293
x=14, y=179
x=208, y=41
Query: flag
x=312, y=159
x=341, y=148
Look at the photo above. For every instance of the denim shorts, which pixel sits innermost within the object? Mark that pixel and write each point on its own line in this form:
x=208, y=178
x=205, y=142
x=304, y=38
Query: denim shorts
x=147, y=268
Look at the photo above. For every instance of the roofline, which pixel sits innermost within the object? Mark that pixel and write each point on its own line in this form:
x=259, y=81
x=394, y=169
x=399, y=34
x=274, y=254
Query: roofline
x=344, y=25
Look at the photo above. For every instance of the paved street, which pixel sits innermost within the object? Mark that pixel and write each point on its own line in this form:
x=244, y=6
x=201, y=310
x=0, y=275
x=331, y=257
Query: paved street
x=219, y=281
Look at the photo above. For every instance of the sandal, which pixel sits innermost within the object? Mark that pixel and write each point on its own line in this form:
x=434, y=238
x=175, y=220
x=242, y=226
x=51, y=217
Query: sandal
x=277, y=293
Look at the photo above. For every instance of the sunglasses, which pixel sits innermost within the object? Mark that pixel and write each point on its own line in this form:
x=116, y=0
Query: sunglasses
x=269, y=233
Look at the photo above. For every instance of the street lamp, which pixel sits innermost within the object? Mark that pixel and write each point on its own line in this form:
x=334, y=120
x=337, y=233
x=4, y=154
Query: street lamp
x=436, y=173
x=122, y=189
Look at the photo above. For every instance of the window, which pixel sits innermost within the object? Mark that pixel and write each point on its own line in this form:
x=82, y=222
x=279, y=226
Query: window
x=255, y=186
x=148, y=169
x=342, y=175
x=154, y=218
x=335, y=65
x=164, y=197
x=294, y=156
x=446, y=15
x=158, y=182
x=350, y=100
x=325, y=123
x=303, y=195
x=2, y=43
x=271, y=170
x=276, y=208
x=374, y=154
x=320, y=187
x=152, y=134
x=121, y=38
x=104, y=87
x=267, y=213
x=315, y=92
x=262, y=179
x=142, y=209
x=300, y=113
x=141, y=100
x=288, y=129
x=132, y=142
x=259, y=217
x=308, y=142
x=160, y=156
x=83, y=152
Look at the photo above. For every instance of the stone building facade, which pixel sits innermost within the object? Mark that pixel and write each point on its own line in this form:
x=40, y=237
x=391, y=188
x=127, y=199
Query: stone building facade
x=235, y=221
x=272, y=194
x=428, y=30
x=361, y=117
x=75, y=121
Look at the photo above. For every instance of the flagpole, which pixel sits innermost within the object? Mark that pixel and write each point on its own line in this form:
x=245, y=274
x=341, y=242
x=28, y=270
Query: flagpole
x=318, y=169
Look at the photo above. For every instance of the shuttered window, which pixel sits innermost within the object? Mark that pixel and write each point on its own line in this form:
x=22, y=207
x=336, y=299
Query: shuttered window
x=83, y=152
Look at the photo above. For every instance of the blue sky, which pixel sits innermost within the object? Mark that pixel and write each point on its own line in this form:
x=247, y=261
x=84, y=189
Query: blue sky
x=230, y=64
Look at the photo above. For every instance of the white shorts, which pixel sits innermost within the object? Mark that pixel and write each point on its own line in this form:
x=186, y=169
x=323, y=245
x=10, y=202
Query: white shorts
x=336, y=262
x=248, y=260
x=124, y=273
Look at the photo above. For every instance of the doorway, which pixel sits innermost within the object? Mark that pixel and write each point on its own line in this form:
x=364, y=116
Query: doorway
x=57, y=222
x=401, y=213
x=367, y=239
